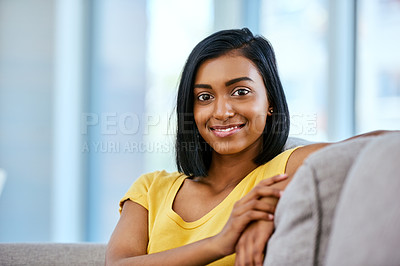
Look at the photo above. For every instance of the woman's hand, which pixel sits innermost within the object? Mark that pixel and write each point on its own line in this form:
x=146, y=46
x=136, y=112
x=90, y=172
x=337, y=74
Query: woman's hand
x=251, y=245
x=249, y=208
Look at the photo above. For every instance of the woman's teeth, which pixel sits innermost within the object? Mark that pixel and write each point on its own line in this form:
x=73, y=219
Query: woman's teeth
x=226, y=129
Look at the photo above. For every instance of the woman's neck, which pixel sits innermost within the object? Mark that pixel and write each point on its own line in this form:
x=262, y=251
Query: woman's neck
x=228, y=170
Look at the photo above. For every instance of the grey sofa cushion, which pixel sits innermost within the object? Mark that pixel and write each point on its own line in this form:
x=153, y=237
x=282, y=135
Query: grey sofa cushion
x=303, y=217
x=52, y=254
x=293, y=142
x=366, y=227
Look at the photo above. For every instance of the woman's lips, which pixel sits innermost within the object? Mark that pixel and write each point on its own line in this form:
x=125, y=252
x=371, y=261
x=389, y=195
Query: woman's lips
x=225, y=131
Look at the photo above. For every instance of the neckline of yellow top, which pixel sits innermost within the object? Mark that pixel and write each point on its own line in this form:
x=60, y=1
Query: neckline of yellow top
x=190, y=225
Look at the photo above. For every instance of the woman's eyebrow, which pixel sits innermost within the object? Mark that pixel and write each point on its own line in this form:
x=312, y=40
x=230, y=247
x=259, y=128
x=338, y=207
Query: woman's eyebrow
x=233, y=81
x=228, y=83
x=202, y=86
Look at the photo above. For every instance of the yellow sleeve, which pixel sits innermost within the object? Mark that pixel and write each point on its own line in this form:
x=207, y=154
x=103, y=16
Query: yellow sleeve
x=280, y=161
x=275, y=166
x=138, y=192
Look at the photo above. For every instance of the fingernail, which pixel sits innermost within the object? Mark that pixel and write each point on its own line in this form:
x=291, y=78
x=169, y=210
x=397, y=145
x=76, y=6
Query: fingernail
x=281, y=193
x=270, y=216
x=283, y=175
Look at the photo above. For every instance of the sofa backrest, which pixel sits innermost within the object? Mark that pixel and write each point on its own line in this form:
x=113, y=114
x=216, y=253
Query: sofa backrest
x=52, y=254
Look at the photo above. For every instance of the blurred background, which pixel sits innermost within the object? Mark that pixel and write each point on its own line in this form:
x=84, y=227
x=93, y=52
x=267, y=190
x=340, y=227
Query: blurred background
x=87, y=93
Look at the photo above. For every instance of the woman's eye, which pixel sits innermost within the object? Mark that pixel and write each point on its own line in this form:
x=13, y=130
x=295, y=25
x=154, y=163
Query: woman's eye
x=204, y=97
x=240, y=92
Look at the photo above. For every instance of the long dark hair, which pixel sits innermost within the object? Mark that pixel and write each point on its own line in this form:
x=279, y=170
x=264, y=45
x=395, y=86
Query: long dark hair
x=193, y=154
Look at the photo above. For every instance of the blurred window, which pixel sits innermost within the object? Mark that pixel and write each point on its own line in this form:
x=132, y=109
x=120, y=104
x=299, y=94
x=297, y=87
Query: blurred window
x=378, y=65
x=298, y=32
x=175, y=27
x=138, y=51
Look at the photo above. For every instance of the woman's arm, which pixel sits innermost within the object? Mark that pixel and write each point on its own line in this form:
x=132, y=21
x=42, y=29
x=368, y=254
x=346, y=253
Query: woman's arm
x=128, y=243
x=251, y=245
x=298, y=156
x=133, y=222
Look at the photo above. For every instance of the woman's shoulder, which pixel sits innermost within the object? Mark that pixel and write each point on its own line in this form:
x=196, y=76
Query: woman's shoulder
x=159, y=177
x=148, y=185
x=298, y=156
x=275, y=166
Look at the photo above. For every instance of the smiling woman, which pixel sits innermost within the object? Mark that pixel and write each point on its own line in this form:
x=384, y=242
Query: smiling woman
x=233, y=122
x=232, y=125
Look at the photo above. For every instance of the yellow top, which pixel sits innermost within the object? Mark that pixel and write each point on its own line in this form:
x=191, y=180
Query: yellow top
x=156, y=192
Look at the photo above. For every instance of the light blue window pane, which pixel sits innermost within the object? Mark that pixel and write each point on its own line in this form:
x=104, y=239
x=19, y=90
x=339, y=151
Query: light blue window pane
x=298, y=32
x=26, y=76
x=378, y=64
x=176, y=26
x=138, y=52
x=116, y=98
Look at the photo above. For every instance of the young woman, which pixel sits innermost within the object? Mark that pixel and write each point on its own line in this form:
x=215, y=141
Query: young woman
x=233, y=122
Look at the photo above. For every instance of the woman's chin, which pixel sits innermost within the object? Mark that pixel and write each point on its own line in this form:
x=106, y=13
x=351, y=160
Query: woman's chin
x=226, y=149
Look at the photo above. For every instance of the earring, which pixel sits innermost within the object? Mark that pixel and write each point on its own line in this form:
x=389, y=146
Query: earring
x=271, y=111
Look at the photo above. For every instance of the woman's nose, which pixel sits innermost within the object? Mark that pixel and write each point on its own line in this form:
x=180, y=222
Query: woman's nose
x=223, y=109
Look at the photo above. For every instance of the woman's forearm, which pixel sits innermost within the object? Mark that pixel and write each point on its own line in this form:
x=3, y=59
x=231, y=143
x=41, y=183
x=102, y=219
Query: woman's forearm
x=198, y=253
x=129, y=241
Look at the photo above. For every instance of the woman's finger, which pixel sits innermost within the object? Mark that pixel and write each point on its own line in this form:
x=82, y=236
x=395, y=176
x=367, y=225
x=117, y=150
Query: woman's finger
x=261, y=191
x=263, y=186
x=240, y=253
x=243, y=248
x=251, y=245
x=249, y=249
x=240, y=222
x=257, y=205
x=259, y=242
x=273, y=180
x=254, y=205
x=259, y=246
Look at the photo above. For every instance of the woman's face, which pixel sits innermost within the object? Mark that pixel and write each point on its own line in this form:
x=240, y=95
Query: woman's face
x=230, y=104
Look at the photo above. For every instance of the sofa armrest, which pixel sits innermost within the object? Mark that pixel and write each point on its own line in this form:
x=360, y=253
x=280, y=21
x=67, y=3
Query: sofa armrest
x=366, y=225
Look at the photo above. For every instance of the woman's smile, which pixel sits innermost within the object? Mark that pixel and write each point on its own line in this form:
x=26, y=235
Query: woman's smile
x=226, y=131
